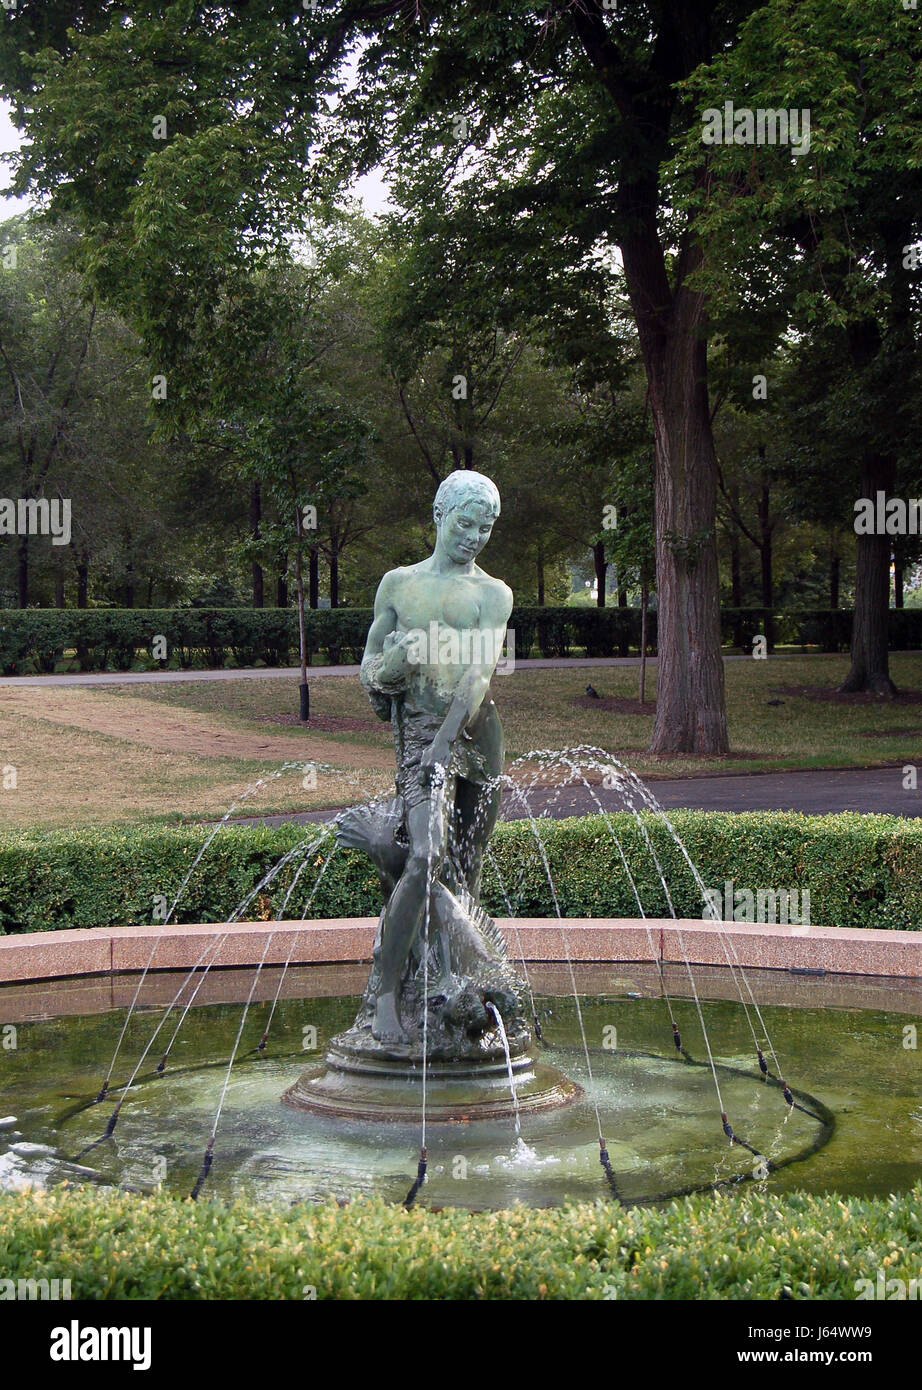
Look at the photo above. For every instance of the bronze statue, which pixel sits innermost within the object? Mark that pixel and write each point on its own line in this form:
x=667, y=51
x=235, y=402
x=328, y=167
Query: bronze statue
x=432, y=649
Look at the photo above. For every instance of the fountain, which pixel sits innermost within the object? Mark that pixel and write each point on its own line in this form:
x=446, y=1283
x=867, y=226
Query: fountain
x=448, y=1032
x=442, y=1027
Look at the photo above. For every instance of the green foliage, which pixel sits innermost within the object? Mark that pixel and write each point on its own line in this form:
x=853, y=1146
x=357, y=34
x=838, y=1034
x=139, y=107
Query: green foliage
x=861, y=871
x=107, y=639
x=113, y=1245
x=35, y=640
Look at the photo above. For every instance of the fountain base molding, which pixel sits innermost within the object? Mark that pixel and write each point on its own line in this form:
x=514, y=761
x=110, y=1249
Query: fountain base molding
x=364, y=1079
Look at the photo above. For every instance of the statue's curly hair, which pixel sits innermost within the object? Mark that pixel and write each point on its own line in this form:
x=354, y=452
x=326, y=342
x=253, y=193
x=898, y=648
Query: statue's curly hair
x=464, y=486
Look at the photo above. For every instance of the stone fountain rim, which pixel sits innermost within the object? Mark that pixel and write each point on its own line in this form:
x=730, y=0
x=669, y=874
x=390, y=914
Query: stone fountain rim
x=869, y=952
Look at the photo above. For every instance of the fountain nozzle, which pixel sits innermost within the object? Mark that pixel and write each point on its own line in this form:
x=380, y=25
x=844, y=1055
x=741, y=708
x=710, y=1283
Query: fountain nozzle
x=420, y=1178
x=609, y=1171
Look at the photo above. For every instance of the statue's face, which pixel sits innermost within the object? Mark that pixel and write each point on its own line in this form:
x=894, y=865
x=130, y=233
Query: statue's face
x=465, y=531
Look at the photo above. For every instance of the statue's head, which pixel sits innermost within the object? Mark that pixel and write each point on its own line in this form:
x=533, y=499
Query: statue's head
x=465, y=508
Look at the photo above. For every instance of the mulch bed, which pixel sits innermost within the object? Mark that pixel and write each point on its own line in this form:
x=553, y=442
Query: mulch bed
x=618, y=706
x=321, y=723
x=827, y=694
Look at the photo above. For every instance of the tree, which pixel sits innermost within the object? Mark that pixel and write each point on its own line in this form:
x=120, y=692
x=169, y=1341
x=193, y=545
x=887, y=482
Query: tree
x=45, y=332
x=585, y=102
x=77, y=428
x=845, y=212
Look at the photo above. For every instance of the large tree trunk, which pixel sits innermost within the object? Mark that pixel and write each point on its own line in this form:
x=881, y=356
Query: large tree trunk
x=281, y=588
x=765, y=541
x=898, y=573
x=601, y=569
x=256, y=512
x=870, y=663
x=690, y=710
x=313, y=571
x=83, y=579
x=736, y=578
x=22, y=572
x=334, y=579
x=672, y=327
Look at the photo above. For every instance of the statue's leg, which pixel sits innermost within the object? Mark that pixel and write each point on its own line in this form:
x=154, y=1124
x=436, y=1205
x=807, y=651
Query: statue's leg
x=477, y=811
x=403, y=916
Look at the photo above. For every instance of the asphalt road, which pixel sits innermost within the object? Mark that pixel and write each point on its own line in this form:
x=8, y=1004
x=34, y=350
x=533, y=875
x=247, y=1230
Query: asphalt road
x=812, y=793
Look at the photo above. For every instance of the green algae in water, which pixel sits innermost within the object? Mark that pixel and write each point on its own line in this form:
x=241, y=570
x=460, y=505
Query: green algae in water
x=660, y=1117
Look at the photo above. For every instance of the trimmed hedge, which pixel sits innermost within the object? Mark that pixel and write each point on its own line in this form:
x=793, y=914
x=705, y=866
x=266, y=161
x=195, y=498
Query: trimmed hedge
x=861, y=871
x=752, y=1245
x=112, y=639
x=35, y=640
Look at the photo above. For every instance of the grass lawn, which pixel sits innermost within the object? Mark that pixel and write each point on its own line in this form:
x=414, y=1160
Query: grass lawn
x=126, y=753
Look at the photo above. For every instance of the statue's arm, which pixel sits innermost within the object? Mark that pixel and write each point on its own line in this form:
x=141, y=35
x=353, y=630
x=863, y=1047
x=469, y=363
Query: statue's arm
x=383, y=672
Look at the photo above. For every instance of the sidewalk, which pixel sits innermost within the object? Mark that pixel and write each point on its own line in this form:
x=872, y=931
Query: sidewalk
x=293, y=673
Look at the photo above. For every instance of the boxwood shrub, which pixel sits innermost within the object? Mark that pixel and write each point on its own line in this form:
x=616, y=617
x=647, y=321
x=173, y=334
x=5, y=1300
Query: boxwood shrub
x=861, y=871
x=99, y=639
x=750, y=1245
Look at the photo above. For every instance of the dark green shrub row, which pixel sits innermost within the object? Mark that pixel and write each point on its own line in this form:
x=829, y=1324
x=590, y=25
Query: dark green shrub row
x=34, y=640
x=112, y=1245
x=827, y=628
x=861, y=871
x=111, y=639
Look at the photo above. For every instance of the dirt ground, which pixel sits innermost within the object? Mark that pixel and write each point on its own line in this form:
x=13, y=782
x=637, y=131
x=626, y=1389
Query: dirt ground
x=174, y=730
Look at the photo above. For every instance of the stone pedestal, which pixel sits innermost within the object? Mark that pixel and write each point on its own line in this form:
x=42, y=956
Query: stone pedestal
x=366, y=1079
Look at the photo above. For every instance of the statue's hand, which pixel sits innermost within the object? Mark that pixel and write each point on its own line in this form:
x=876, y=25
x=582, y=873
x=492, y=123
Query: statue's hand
x=436, y=756
x=395, y=660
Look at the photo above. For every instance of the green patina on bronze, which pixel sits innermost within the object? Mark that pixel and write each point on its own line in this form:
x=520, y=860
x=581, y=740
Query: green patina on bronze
x=432, y=650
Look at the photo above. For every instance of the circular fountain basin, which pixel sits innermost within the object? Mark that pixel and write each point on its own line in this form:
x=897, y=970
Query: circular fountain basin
x=659, y=1113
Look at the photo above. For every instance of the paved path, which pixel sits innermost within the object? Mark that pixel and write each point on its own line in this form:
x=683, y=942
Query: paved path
x=293, y=673
x=813, y=793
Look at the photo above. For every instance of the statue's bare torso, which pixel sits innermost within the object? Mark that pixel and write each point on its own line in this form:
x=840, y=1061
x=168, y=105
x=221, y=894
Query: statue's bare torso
x=448, y=624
